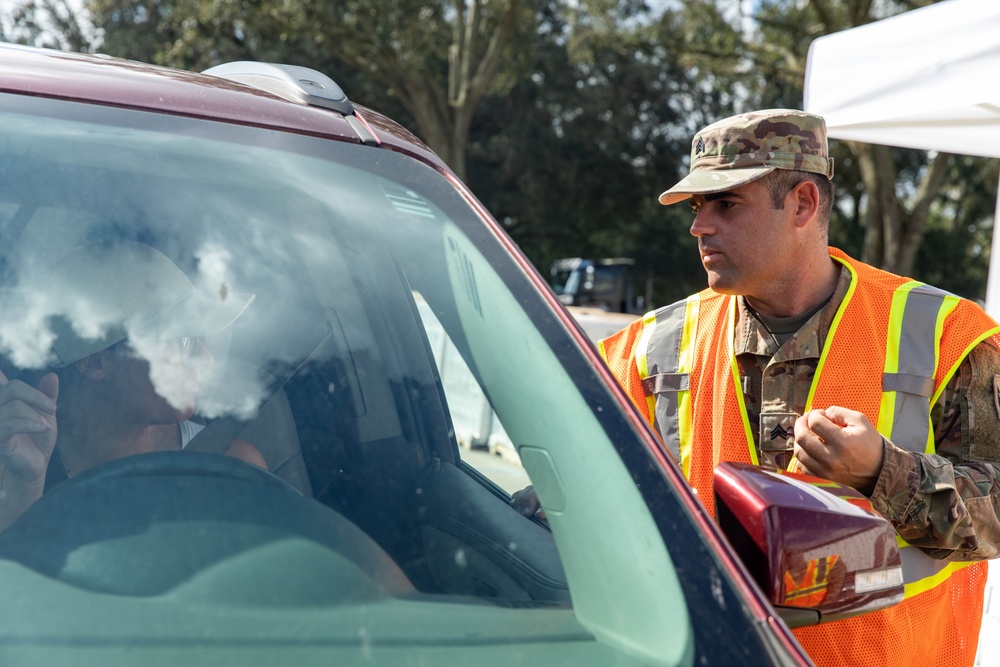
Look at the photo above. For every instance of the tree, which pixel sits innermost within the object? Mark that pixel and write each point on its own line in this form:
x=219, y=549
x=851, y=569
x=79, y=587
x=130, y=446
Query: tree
x=902, y=189
x=956, y=249
x=437, y=59
x=568, y=118
x=572, y=159
x=51, y=24
x=577, y=114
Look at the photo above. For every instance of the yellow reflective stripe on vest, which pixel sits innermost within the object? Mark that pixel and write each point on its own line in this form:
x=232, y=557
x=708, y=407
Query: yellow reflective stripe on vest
x=916, y=325
x=834, y=325
x=921, y=572
x=731, y=317
x=685, y=362
x=965, y=353
x=886, y=409
x=668, y=337
x=916, y=322
x=642, y=361
x=793, y=464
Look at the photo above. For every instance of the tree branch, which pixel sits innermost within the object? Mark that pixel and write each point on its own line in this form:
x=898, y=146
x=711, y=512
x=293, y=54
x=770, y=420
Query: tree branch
x=455, y=50
x=494, y=52
x=871, y=249
x=927, y=193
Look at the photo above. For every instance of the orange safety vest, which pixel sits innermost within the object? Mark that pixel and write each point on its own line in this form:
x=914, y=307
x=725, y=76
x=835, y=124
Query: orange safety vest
x=892, y=348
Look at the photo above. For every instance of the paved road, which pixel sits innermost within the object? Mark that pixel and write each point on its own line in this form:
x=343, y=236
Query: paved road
x=508, y=475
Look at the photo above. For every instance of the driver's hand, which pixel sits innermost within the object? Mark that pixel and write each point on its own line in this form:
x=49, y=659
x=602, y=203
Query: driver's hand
x=526, y=502
x=27, y=428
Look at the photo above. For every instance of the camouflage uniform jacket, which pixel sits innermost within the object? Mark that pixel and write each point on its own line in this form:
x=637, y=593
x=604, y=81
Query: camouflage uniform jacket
x=946, y=503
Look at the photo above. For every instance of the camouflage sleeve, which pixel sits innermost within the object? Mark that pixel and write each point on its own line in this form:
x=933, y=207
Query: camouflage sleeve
x=948, y=502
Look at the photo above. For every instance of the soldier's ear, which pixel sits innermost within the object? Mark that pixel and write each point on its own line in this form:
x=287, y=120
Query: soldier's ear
x=804, y=201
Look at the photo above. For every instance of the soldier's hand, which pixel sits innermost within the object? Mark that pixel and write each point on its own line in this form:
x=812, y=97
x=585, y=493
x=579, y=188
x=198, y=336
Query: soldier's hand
x=840, y=445
x=27, y=428
x=526, y=502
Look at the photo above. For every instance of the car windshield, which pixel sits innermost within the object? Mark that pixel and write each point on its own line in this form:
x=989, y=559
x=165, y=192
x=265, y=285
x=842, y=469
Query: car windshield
x=344, y=315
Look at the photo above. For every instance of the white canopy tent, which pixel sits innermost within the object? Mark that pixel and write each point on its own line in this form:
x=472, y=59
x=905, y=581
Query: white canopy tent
x=928, y=79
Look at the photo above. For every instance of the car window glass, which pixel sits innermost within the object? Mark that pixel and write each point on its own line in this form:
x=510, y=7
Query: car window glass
x=484, y=443
x=329, y=370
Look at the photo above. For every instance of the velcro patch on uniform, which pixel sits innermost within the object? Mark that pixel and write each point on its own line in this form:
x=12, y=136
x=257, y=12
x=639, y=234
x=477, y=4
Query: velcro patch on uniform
x=996, y=394
x=777, y=437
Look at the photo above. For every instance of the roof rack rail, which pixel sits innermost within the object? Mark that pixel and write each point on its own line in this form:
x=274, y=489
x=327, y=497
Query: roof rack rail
x=296, y=84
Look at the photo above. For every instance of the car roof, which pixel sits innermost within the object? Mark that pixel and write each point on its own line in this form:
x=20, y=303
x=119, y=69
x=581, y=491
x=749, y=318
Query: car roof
x=104, y=80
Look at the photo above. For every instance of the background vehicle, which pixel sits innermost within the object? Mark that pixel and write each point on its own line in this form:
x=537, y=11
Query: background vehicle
x=607, y=284
x=369, y=538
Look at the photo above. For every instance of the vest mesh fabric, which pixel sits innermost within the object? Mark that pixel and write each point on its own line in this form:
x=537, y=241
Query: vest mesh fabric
x=851, y=372
x=714, y=392
x=619, y=354
x=938, y=627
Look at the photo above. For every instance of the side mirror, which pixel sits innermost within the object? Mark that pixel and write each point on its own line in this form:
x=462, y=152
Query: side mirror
x=818, y=549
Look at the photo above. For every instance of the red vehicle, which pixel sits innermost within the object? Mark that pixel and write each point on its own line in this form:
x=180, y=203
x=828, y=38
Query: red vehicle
x=308, y=501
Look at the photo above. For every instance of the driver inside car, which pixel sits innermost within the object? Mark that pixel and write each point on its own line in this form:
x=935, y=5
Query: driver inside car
x=127, y=363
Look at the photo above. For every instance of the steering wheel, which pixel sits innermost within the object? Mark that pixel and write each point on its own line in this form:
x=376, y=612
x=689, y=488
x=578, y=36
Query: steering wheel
x=170, y=464
x=203, y=525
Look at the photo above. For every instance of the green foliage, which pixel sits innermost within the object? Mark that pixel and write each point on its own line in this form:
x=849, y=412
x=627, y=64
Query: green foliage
x=51, y=24
x=566, y=118
x=572, y=159
x=955, y=254
x=888, y=201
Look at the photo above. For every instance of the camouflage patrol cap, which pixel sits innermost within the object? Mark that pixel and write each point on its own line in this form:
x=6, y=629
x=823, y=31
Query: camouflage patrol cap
x=739, y=150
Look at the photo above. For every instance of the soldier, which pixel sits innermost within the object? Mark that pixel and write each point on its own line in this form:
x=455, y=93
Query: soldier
x=799, y=356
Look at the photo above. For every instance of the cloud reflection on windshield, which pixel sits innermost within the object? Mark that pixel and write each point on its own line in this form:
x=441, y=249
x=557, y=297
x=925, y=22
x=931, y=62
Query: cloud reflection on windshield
x=236, y=222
